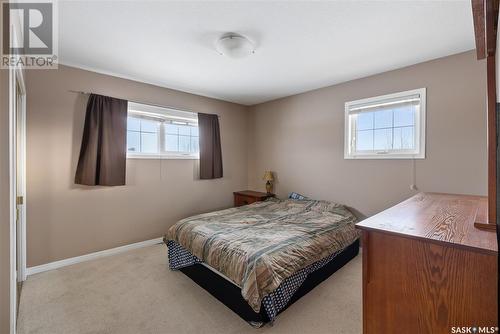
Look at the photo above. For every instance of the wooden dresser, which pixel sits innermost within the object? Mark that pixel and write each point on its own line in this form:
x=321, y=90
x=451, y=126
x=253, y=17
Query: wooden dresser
x=426, y=268
x=248, y=197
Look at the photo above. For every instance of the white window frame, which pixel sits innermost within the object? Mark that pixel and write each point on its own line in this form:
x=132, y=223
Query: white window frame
x=350, y=128
x=162, y=114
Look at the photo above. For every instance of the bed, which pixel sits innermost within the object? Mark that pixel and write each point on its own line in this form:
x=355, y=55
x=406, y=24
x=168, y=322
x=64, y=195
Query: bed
x=260, y=258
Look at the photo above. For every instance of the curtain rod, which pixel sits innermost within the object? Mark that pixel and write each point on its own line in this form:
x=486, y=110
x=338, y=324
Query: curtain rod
x=133, y=101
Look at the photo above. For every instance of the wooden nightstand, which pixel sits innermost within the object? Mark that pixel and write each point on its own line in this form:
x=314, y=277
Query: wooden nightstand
x=248, y=196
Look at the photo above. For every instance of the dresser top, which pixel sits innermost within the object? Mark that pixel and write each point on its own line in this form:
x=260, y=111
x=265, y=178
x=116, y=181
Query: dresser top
x=442, y=218
x=251, y=193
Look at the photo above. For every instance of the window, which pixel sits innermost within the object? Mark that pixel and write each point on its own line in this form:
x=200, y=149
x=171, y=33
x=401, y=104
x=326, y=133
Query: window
x=386, y=127
x=156, y=132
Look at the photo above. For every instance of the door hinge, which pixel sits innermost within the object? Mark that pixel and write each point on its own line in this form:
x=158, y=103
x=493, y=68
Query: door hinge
x=19, y=200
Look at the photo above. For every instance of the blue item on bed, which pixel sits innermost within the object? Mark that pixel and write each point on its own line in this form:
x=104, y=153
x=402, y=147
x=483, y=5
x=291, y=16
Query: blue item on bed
x=297, y=196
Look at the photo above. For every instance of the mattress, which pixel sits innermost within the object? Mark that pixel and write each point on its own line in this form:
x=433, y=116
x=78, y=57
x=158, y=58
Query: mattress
x=260, y=246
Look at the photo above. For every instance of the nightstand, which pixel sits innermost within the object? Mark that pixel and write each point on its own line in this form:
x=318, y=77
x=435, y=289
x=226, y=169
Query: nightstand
x=248, y=196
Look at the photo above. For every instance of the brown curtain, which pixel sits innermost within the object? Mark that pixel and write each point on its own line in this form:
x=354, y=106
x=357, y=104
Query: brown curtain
x=103, y=152
x=210, y=147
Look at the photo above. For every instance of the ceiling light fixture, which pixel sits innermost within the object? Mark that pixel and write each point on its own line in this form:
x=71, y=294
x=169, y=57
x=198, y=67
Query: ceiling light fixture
x=234, y=46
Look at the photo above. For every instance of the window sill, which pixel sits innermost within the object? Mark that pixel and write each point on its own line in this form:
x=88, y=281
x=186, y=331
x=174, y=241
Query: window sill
x=162, y=157
x=385, y=156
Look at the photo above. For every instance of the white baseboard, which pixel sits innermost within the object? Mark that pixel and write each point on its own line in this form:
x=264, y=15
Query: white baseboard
x=91, y=256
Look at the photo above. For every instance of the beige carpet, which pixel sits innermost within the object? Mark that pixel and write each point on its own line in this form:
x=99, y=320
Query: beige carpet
x=135, y=292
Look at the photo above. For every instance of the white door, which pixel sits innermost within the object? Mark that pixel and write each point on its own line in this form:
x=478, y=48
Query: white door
x=17, y=143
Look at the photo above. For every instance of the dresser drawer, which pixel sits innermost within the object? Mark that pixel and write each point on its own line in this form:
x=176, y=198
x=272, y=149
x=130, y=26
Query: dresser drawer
x=427, y=269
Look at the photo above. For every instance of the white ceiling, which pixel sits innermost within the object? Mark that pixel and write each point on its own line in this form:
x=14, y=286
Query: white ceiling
x=301, y=45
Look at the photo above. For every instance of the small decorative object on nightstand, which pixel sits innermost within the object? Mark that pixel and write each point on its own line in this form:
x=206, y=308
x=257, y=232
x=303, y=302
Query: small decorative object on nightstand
x=268, y=177
x=248, y=196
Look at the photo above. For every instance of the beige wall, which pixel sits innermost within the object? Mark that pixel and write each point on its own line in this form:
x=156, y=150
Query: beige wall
x=65, y=220
x=4, y=203
x=301, y=138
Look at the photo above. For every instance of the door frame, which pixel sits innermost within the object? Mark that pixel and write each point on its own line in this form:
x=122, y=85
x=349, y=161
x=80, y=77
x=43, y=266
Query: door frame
x=21, y=176
x=16, y=79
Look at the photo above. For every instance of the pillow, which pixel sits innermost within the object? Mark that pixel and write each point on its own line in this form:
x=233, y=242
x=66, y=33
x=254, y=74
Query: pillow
x=296, y=196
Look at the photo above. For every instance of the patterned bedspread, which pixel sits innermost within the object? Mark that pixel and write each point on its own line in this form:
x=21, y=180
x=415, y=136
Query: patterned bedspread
x=259, y=246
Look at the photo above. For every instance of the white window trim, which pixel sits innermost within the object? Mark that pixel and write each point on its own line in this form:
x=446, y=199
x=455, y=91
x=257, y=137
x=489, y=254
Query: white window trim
x=349, y=127
x=154, y=112
x=164, y=155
